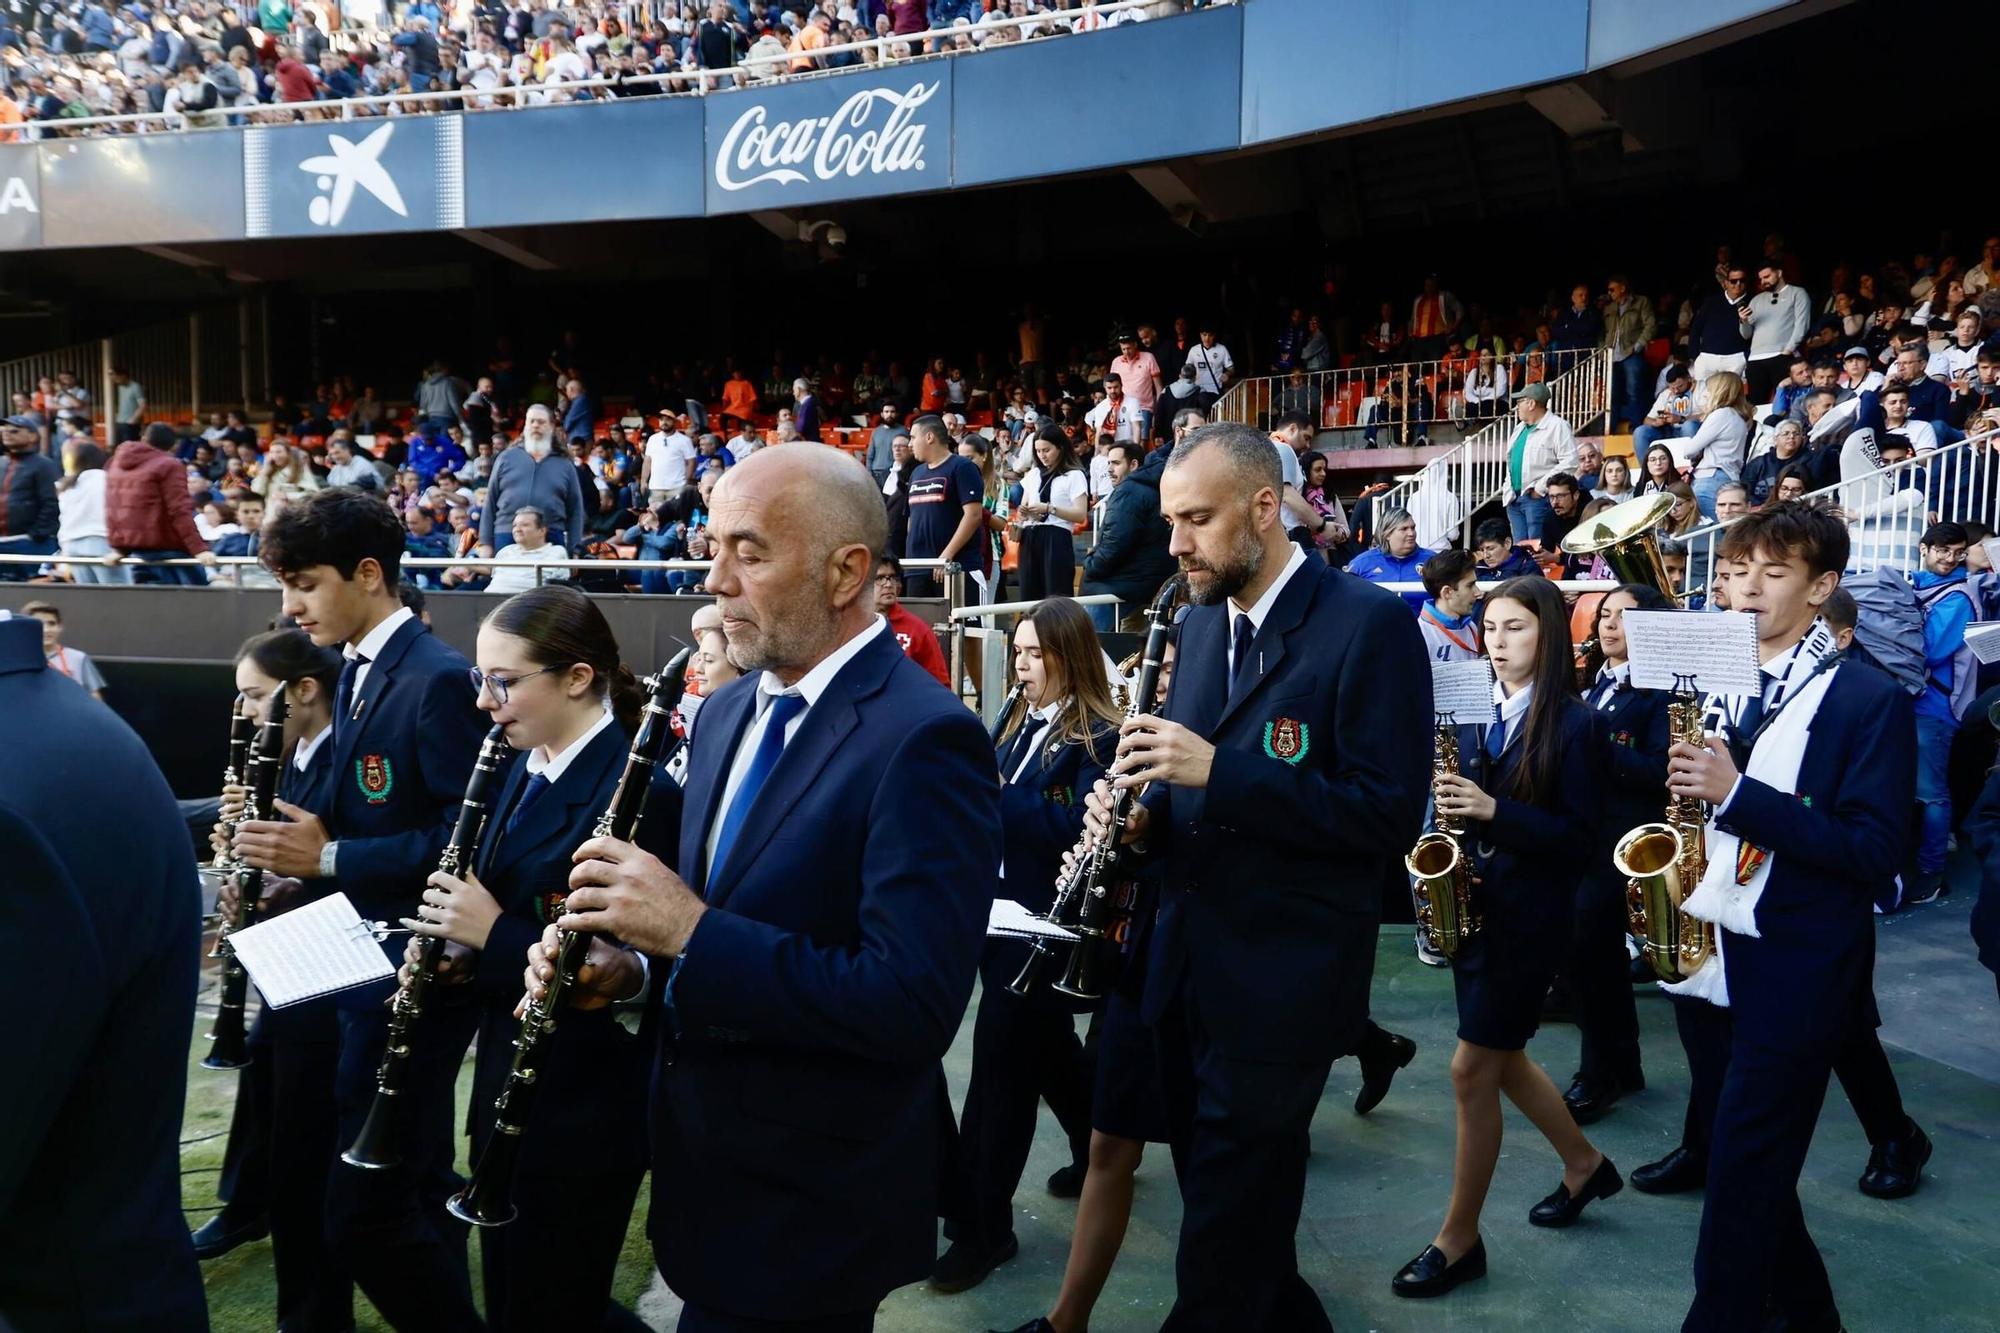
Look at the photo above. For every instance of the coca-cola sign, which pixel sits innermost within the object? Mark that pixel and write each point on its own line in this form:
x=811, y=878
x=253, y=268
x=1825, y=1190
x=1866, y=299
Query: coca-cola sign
x=829, y=139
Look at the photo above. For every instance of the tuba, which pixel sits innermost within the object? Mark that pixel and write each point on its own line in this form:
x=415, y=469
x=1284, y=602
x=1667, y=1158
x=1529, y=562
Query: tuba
x=1664, y=862
x=1440, y=876
x=1627, y=536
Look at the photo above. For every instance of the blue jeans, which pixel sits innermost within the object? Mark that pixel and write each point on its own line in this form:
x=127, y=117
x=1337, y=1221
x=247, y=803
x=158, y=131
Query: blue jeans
x=193, y=576
x=10, y=572
x=1934, y=737
x=1645, y=437
x=1527, y=517
x=1629, y=399
x=1104, y=616
x=85, y=551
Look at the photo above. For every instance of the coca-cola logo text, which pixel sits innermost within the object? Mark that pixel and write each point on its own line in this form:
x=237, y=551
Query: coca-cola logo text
x=843, y=144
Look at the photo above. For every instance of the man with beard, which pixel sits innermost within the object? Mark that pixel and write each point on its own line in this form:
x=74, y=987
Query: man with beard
x=1286, y=735
x=538, y=475
x=813, y=965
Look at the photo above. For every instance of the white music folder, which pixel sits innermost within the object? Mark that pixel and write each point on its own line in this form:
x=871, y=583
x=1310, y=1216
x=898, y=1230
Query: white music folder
x=1009, y=920
x=312, y=951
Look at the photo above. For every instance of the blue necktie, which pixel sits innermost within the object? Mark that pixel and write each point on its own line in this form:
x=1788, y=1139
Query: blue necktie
x=1496, y=738
x=536, y=785
x=778, y=716
x=1240, y=650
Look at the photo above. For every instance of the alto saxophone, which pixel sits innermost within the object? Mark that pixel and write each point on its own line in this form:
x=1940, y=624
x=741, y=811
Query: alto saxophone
x=1440, y=876
x=1664, y=862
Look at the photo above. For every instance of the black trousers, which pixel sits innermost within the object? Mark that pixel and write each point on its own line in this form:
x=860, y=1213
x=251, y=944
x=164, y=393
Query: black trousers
x=280, y=1151
x=1024, y=1051
x=1048, y=562
x=1763, y=375
x=581, y=1216
x=390, y=1226
x=1600, y=984
x=1239, y=1131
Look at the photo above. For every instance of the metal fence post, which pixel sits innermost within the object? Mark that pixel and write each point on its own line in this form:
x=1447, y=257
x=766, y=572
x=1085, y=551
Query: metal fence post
x=954, y=593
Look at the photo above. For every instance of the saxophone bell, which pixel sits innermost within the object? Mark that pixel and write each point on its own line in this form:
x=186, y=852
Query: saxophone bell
x=1663, y=862
x=1440, y=874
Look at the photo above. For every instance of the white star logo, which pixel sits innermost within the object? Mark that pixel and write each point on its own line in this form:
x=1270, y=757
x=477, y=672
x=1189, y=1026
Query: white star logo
x=351, y=164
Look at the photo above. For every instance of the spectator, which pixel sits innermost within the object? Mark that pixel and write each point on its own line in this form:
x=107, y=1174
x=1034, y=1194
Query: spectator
x=805, y=409
x=1448, y=619
x=1579, y=326
x=347, y=468
x=1589, y=463
x=919, y=641
x=1130, y=560
x=30, y=514
x=1775, y=322
x=148, y=515
x=1629, y=324
x=83, y=537
x=1716, y=340
x=1385, y=337
x=1658, y=470
x=1330, y=530
x=1951, y=681
x=1499, y=557
x=739, y=395
x=1673, y=409
x=1396, y=558
x=1716, y=450
x=422, y=539
x=1139, y=373
x=531, y=542
x=1117, y=416
x=1055, y=497
x=1214, y=369
x=881, y=452
x=128, y=401
x=896, y=491
x=720, y=42
x=1406, y=405
x=579, y=418
x=72, y=664
x=670, y=462
x=1435, y=315
x=539, y=474
x=286, y=476
x=1760, y=474
x=1300, y=395
x=1542, y=446
x=658, y=535
x=1565, y=495
x=1485, y=387
x=946, y=504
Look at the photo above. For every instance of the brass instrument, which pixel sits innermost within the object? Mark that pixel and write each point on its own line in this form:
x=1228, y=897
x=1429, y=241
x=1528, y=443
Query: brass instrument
x=228, y=1041
x=1440, y=875
x=375, y=1147
x=1627, y=536
x=1664, y=862
x=486, y=1200
x=1121, y=693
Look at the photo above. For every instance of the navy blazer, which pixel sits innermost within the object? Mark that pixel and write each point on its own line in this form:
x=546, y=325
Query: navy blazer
x=1632, y=738
x=795, y=1120
x=104, y=910
x=593, y=1084
x=1041, y=815
x=1836, y=841
x=308, y=788
x=1274, y=871
x=1983, y=828
x=400, y=762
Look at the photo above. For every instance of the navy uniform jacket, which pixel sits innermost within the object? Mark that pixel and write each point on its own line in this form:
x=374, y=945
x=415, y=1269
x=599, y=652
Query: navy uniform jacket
x=795, y=1120
x=1041, y=816
x=1322, y=766
x=1632, y=740
x=91, y=1232
x=1835, y=841
x=1983, y=827
x=400, y=762
x=590, y=1050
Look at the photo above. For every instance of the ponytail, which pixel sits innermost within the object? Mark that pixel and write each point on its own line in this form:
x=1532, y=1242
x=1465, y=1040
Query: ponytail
x=626, y=697
x=562, y=626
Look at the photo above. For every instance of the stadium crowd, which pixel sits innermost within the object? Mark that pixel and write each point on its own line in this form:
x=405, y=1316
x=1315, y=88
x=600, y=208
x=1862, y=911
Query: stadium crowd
x=198, y=62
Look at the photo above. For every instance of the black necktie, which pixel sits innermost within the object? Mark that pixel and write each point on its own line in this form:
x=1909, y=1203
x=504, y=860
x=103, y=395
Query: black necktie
x=1240, y=650
x=1018, y=749
x=343, y=693
x=536, y=785
x=1744, y=734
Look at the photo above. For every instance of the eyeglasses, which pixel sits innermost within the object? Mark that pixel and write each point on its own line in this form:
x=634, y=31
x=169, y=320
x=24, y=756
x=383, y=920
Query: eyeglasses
x=888, y=580
x=500, y=684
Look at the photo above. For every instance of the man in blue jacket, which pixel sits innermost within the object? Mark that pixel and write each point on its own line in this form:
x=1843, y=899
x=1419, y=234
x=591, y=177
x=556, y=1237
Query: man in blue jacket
x=1953, y=679
x=1130, y=560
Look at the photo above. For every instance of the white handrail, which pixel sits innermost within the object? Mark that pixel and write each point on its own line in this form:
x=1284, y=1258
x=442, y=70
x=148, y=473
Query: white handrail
x=696, y=80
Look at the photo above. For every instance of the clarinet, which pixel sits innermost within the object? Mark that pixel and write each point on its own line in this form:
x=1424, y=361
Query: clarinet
x=1088, y=860
x=1007, y=707
x=487, y=1200
x=241, y=727
x=375, y=1147
x=228, y=1046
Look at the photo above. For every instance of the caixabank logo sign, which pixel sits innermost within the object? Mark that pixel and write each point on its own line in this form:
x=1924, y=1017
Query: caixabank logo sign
x=20, y=199
x=353, y=177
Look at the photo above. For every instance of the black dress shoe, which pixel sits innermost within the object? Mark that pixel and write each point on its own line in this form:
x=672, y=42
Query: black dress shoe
x=215, y=1238
x=1379, y=1067
x=1896, y=1168
x=1589, y=1098
x=1561, y=1208
x=1035, y=1325
x=1676, y=1173
x=1066, y=1182
x=1429, y=1275
x=1827, y=1321
x=964, y=1265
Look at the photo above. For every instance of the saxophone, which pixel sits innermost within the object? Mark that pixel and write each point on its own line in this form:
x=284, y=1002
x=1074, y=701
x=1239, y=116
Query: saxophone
x=1664, y=862
x=1440, y=876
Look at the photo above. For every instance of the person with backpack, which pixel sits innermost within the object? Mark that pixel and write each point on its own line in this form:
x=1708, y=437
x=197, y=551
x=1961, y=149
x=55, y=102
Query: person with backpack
x=1951, y=681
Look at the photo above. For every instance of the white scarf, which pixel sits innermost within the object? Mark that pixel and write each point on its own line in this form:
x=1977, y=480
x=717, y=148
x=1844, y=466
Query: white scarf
x=1774, y=761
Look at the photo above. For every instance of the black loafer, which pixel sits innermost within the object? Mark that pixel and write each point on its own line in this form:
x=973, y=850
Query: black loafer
x=215, y=1237
x=1430, y=1275
x=964, y=1265
x=1677, y=1173
x=1589, y=1098
x=1896, y=1168
x=1066, y=1182
x=1379, y=1069
x=1560, y=1209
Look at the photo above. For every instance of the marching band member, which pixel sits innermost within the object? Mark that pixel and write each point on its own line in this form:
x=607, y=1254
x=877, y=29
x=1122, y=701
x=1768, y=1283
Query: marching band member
x=1527, y=807
x=282, y=1136
x=1799, y=843
x=549, y=673
x=405, y=734
x=1025, y=1050
x=1632, y=738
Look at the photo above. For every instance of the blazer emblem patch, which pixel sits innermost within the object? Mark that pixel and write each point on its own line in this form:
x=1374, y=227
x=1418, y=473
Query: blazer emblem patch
x=1287, y=739
x=375, y=778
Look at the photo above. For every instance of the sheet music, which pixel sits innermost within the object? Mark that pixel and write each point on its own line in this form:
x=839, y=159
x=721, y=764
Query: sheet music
x=1983, y=638
x=1463, y=689
x=1008, y=918
x=315, y=950
x=1717, y=648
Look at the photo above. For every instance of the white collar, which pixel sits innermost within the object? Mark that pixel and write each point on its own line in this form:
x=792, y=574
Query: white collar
x=554, y=768
x=375, y=640
x=1513, y=706
x=813, y=684
x=303, y=752
x=1259, y=612
x=1621, y=674
x=1046, y=712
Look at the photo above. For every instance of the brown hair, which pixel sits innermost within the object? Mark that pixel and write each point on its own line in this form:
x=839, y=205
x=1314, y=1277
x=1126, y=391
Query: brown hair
x=561, y=625
x=1074, y=661
x=1535, y=777
x=1791, y=530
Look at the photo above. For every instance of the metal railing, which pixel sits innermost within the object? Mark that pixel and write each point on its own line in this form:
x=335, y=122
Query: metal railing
x=1888, y=509
x=1434, y=396
x=750, y=71
x=1475, y=472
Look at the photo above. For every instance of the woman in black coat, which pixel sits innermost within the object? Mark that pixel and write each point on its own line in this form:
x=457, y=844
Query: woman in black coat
x=1526, y=794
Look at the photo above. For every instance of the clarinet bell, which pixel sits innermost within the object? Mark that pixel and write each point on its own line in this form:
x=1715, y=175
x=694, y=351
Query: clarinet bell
x=374, y=1148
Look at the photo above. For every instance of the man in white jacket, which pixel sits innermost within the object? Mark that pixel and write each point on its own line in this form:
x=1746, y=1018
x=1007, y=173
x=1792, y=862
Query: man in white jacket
x=1542, y=446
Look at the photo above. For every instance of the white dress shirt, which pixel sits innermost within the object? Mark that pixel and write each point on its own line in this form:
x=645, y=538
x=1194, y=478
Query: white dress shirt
x=303, y=752
x=552, y=767
x=1262, y=609
x=371, y=645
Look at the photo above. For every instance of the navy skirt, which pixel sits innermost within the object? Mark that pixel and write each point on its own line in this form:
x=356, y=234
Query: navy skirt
x=1127, y=1101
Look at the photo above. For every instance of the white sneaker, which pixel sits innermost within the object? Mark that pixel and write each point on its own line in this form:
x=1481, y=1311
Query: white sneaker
x=1428, y=956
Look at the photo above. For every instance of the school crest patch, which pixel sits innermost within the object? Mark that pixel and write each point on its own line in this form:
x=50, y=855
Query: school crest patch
x=1286, y=739
x=1062, y=796
x=375, y=778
